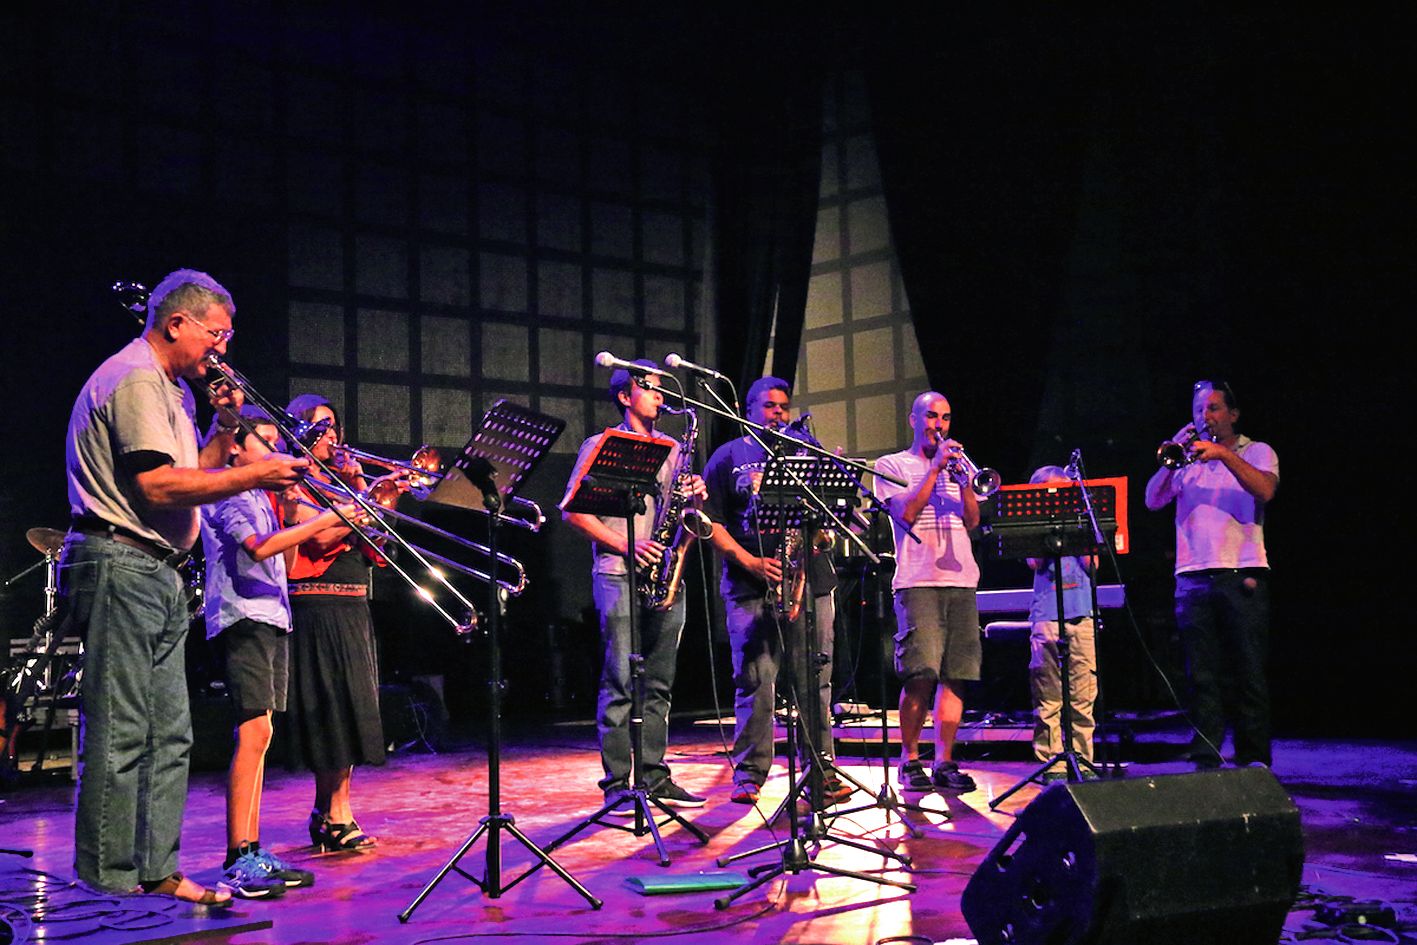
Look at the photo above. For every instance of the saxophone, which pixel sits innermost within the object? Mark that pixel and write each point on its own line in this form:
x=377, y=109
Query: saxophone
x=678, y=521
x=786, y=596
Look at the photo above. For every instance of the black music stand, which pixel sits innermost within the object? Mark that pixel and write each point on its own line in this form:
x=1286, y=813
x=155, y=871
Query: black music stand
x=791, y=487
x=615, y=480
x=510, y=443
x=1051, y=521
x=886, y=798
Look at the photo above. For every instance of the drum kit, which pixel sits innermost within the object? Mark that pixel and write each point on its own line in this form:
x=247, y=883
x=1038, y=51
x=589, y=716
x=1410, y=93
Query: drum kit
x=28, y=685
x=45, y=673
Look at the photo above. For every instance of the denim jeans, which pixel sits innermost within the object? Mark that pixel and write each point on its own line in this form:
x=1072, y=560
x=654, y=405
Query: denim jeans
x=131, y=611
x=659, y=648
x=1223, y=617
x=757, y=657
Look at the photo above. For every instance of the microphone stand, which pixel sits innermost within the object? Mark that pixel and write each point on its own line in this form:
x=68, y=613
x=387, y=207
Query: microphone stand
x=795, y=857
x=886, y=798
x=1102, y=727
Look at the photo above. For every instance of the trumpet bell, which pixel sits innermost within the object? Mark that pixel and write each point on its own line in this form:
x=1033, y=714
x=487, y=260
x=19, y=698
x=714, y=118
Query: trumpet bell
x=986, y=482
x=1172, y=455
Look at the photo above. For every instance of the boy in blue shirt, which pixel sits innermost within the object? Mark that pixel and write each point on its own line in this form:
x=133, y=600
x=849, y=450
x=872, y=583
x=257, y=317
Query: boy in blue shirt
x=247, y=605
x=1043, y=678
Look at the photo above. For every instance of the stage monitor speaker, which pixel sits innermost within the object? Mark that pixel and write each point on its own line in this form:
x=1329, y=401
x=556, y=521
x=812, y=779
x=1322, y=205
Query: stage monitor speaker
x=1213, y=856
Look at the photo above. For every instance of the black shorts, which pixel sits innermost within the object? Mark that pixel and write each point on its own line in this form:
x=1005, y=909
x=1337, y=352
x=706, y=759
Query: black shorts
x=257, y=657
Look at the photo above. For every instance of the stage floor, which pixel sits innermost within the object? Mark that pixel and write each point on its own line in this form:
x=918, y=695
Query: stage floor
x=1357, y=802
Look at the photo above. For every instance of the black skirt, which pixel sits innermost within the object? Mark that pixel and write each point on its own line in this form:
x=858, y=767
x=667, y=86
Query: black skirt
x=333, y=700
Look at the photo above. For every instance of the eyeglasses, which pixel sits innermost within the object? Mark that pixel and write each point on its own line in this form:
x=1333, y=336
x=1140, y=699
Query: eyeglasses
x=219, y=335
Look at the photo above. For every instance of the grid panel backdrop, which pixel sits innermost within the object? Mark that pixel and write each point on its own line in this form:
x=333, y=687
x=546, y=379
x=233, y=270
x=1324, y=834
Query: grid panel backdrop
x=415, y=218
x=859, y=365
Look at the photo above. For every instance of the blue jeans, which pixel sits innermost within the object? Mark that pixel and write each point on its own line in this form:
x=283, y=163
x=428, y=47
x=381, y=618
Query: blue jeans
x=659, y=648
x=131, y=611
x=1223, y=617
x=757, y=657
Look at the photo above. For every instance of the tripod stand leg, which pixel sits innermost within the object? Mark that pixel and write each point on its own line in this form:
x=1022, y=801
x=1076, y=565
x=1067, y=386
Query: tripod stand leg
x=679, y=819
x=776, y=845
x=448, y=867
x=545, y=859
x=1031, y=778
x=723, y=902
x=887, y=800
x=902, y=858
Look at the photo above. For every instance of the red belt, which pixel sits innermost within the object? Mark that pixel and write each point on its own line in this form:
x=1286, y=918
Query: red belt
x=330, y=590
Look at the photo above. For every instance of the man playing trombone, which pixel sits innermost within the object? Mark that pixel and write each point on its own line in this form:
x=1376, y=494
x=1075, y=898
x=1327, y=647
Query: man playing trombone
x=135, y=479
x=1221, y=481
x=937, y=645
x=640, y=402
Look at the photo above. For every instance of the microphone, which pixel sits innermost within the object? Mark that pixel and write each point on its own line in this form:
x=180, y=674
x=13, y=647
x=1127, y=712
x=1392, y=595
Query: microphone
x=674, y=361
x=1073, y=465
x=803, y=423
x=606, y=359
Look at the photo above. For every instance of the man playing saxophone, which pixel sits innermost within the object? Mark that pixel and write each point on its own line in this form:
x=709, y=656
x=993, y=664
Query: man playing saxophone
x=640, y=401
x=757, y=629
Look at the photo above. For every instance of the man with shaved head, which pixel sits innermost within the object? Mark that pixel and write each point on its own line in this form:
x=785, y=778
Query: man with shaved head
x=937, y=645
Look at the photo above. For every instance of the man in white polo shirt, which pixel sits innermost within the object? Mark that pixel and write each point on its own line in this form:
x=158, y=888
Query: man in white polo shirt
x=1222, y=573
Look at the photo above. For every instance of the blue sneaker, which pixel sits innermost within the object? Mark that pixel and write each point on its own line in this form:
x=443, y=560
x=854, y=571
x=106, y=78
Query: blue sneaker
x=283, y=871
x=248, y=878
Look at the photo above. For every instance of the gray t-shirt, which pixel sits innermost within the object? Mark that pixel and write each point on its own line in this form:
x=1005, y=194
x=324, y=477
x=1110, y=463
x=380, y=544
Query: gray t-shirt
x=606, y=560
x=129, y=406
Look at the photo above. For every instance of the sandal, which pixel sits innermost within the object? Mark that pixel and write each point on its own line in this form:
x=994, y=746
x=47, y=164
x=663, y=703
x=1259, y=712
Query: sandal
x=180, y=887
x=331, y=837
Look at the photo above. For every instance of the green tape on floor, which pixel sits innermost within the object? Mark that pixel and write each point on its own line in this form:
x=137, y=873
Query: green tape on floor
x=694, y=882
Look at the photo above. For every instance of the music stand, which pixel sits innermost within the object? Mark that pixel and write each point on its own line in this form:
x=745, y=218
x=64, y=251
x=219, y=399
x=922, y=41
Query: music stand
x=510, y=442
x=614, y=480
x=791, y=487
x=1052, y=521
x=886, y=798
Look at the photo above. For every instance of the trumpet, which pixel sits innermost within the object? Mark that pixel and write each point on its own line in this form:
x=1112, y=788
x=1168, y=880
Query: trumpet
x=1177, y=455
x=984, y=481
x=425, y=470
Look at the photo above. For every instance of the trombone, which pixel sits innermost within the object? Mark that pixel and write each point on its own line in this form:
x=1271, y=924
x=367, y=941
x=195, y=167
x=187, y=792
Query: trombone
x=425, y=471
x=292, y=431
x=384, y=493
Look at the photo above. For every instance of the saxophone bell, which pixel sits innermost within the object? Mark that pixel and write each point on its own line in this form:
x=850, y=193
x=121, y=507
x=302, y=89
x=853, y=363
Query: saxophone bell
x=697, y=521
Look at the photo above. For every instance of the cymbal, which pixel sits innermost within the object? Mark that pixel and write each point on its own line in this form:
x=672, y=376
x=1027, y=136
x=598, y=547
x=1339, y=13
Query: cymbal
x=47, y=541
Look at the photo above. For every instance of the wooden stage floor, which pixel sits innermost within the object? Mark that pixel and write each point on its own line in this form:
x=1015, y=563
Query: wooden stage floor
x=1357, y=803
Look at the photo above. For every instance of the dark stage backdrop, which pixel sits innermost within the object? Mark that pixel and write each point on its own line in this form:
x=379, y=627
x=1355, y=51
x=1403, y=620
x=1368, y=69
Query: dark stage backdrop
x=421, y=213
x=1092, y=211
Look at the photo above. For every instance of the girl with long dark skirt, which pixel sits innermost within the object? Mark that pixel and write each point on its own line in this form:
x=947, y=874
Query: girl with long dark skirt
x=333, y=702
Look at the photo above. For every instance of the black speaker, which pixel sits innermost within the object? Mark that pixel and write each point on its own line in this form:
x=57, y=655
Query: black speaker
x=1207, y=857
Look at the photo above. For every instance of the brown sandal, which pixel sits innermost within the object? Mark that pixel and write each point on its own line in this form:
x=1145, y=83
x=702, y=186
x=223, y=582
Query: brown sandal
x=180, y=887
